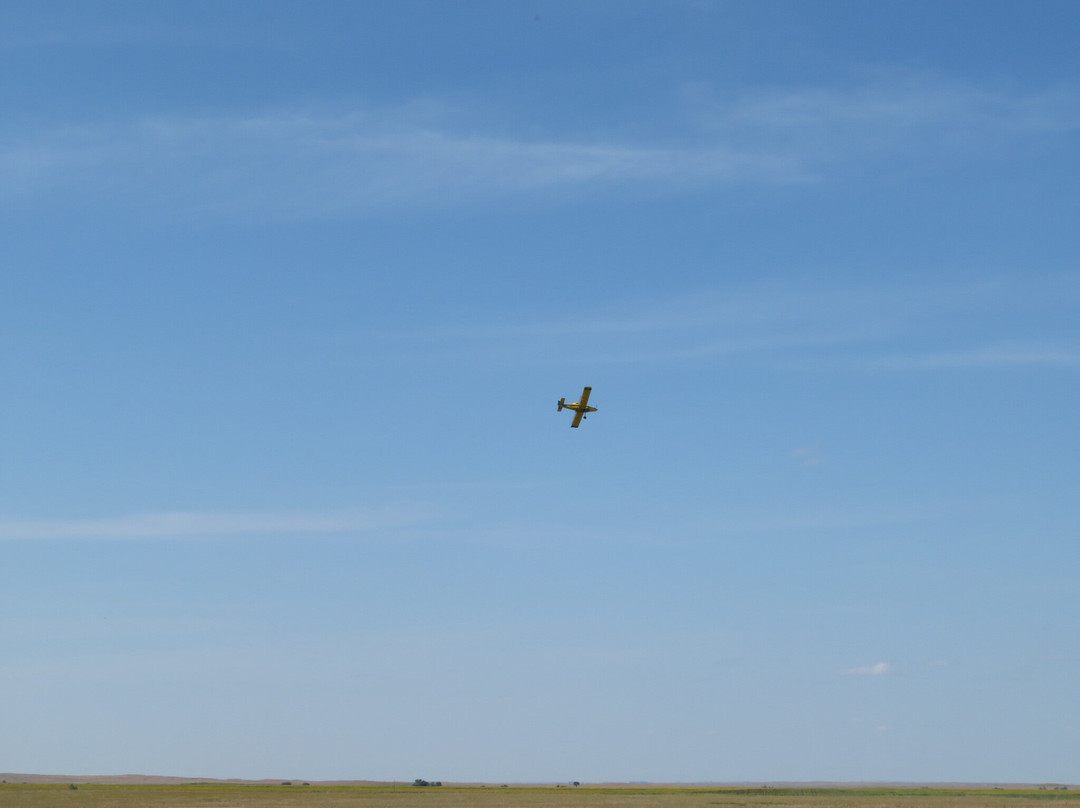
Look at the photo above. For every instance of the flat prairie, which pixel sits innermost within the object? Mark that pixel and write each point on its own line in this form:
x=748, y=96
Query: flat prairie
x=228, y=795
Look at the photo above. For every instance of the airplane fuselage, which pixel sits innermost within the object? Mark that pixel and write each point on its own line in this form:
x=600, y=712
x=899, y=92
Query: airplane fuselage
x=579, y=407
x=575, y=406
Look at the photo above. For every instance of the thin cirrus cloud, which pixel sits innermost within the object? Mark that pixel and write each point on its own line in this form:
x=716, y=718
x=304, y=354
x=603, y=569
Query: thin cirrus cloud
x=325, y=164
x=890, y=113
x=991, y=357
x=869, y=328
x=877, y=669
x=309, y=163
x=193, y=525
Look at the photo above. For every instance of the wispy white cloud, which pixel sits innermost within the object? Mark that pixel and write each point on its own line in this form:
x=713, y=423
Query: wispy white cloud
x=853, y=519
x=877, y=669
x=890, y=112
x=991, y=357
x=806, y=456
x=180, y=525
x=330, y=162
x=764, y=319
x=908, y=103
x=869, y=328
x=326, y=163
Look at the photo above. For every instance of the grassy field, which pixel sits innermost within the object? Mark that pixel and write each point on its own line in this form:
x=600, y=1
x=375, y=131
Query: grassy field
x=282, y=796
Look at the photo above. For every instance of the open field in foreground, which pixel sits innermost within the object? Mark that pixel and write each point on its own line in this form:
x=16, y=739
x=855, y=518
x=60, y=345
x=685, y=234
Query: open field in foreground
x=216, y=795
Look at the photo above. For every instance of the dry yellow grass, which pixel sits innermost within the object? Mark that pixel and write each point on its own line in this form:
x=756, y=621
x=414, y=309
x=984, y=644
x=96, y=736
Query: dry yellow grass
x=218, y=795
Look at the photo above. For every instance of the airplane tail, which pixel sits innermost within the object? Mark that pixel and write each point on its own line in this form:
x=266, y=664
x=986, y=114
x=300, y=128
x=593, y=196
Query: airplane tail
x=562, y=403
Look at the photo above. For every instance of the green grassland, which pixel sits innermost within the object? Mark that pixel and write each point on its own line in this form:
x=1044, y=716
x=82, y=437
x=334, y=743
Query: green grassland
x=217, y=795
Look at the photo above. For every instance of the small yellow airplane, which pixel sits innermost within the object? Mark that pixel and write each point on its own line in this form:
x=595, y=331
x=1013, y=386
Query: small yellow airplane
x=579, y=408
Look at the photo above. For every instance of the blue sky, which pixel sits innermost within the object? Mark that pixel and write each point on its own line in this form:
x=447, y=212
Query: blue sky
x=289, y=291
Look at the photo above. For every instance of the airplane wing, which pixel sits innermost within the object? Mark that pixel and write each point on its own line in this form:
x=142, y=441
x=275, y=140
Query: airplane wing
x=582, y=407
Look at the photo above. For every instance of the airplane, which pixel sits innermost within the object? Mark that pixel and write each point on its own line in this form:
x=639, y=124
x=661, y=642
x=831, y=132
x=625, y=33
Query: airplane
x=579, y=408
